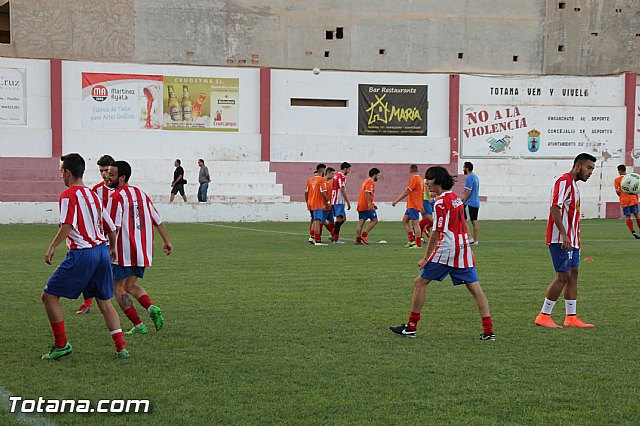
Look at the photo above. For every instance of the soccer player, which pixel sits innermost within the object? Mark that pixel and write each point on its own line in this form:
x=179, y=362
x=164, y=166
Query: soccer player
x=448, y=253
x=563, y=239
x=87, y=267
x=134, y=214
x=366, y=208
x=471, y=199
x=326, y=190
x=103, y=192
x=339, y=200
x=628, y=202
x=315, y=204
x=427, y=211
x=411, y=218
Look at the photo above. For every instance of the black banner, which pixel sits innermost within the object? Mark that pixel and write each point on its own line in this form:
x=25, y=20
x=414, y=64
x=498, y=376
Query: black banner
x=392, y=110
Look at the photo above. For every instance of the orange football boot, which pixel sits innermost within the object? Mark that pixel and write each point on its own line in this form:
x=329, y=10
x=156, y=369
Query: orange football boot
x=544, y=320
x=574, y=321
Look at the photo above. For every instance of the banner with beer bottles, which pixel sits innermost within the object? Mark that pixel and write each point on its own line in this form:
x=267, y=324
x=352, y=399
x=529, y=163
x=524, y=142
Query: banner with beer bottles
x=121, y=101
x=201, y=103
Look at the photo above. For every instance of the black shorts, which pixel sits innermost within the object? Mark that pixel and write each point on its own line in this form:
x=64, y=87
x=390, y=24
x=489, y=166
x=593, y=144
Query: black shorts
x=471, y=213
x=178, y=188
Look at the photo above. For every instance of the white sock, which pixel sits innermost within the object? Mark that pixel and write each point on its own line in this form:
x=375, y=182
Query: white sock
x=117, y=330
x=548, y=305
x=570, y=305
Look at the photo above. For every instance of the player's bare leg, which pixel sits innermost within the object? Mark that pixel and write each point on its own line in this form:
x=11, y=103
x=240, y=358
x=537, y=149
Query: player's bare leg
x=61, y=346
x=359, y=231
x=570, y=298
x=126, y=304
x=417, y=232
x=417, y=302
x=483, y=307
x=367, y=230
x=143, y=298
x=474, y=225
x=112, y=321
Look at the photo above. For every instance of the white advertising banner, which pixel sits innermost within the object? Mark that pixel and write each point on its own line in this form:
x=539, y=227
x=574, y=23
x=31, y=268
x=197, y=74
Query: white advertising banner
x=528, y=131
x=13, y=96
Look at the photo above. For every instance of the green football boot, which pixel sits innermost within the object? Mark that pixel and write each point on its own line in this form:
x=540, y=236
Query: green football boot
x=156, y=317
x=138, y=330
x=57, y=353
x=123, y=354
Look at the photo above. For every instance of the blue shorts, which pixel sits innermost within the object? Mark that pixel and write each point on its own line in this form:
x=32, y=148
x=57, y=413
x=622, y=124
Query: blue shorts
x=413, y=214
x=338, y=210
x=122, y=272
x=438, y=271
x=427, y=207
x=368, y=214
x=563, y=260
x=86, y=271
x=317, y=215
x=327, y=215
x=629, y=210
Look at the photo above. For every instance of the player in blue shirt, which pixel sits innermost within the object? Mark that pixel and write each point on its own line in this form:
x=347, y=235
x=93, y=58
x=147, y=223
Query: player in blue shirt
x=471, y=199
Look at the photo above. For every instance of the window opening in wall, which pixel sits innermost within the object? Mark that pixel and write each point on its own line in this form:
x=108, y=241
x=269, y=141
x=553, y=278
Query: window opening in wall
x=460, y=55
x=515, y=58
x=637, y=34
x=562, y=5
x=328, y=35
x=619, y=10
x=594, y=34
x=339, y=32
x=382, y=51
x=560, y=48
x=576, y=9
x=326, y=53
x=326, y=103
x=5, y=22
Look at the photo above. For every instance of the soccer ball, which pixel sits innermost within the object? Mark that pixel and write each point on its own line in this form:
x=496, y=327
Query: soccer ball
x=316, y=71
x=630, y=183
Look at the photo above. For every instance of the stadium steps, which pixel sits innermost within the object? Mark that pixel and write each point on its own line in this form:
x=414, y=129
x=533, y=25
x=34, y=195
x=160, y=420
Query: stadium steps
x=30, y=179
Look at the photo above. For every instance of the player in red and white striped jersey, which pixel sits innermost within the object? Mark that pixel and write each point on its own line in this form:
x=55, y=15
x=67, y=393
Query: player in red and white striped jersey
x=339, y=200
x=86, y=269
x=135, y=216
x=563, y=239
x=448, y=254
x=103, y=192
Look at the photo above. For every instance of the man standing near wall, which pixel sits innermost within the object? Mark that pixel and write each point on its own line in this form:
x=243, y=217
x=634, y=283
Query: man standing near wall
x=411, y=218
x=563, y=240
x=366, y=207
x=134, y=215
x=315, y=205
x=471, y=199
x=628, y=202
x=178, y=182
x=104, y=192
x=203, y=179
x=339, y=200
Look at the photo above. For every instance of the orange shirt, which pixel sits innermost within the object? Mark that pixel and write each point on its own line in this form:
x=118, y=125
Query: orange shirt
x=368, y=186
x=626, y=200
x=414, y=199
x=314, y=198
x=327, y=187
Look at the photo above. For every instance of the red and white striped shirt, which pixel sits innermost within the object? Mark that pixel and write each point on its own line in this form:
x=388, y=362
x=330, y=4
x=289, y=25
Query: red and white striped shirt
x=135, y=215
x=339, y=181
x=103, y=191
x=566, y=196
x=81, y=208
x=453, y=247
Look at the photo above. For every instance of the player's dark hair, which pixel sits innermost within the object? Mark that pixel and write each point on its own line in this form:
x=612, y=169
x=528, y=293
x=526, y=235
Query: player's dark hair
x=178, y=161
x=200, y=159
x=320, y=167
x=74, y=163
x=124, y=169
x=622, y=168
x=440, y=176
x=413, y=168
x=374, y=172
x=581, y=158
x=468, y=165
x=329, y=170
x=345, y=165
x=105, y=160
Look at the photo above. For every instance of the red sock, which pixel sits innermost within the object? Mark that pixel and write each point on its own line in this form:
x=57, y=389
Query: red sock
x=118, y=339
x=414, y=318
x=311, y=233
x=487, y=325
x=330, y=227
x=318, y=237
x=629, y=224
x=638, y=222
x=59, y=334
x=364, y=235
x=145, y=301
x=412, y=237
x=419, y=241
x=425, y=225
x=132, y=314
x=88, y=302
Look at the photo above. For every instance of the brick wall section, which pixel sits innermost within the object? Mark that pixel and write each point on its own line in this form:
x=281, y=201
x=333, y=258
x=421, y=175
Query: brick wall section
x=391, y=182
x=30, y=179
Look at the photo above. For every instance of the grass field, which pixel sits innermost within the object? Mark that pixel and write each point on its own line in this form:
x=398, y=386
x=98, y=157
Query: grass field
x=263, y=328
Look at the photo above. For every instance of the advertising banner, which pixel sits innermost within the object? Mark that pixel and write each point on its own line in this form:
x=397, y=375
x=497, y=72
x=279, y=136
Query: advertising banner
x=201, y=103
x=121, y=101
x=392, y=110
x=529, y=131
x=13, y=96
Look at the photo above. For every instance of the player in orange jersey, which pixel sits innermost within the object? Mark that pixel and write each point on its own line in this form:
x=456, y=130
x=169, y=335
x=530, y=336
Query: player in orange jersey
x=366, y=208
x=411, y=218
x=628, y=202
x=315, y=203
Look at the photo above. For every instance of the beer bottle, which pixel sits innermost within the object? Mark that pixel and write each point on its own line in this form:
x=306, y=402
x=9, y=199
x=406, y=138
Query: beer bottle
x=186, y=104
x=174, y=105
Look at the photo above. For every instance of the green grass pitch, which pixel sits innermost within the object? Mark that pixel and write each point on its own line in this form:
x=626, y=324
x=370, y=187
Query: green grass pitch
x=263, y=328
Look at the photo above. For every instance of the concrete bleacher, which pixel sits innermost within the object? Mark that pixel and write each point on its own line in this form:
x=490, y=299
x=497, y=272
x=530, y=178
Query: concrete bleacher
x=30, y=179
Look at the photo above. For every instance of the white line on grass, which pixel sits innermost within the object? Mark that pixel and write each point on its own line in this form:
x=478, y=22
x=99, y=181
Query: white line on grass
x=22, y=418
x=254, y=229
